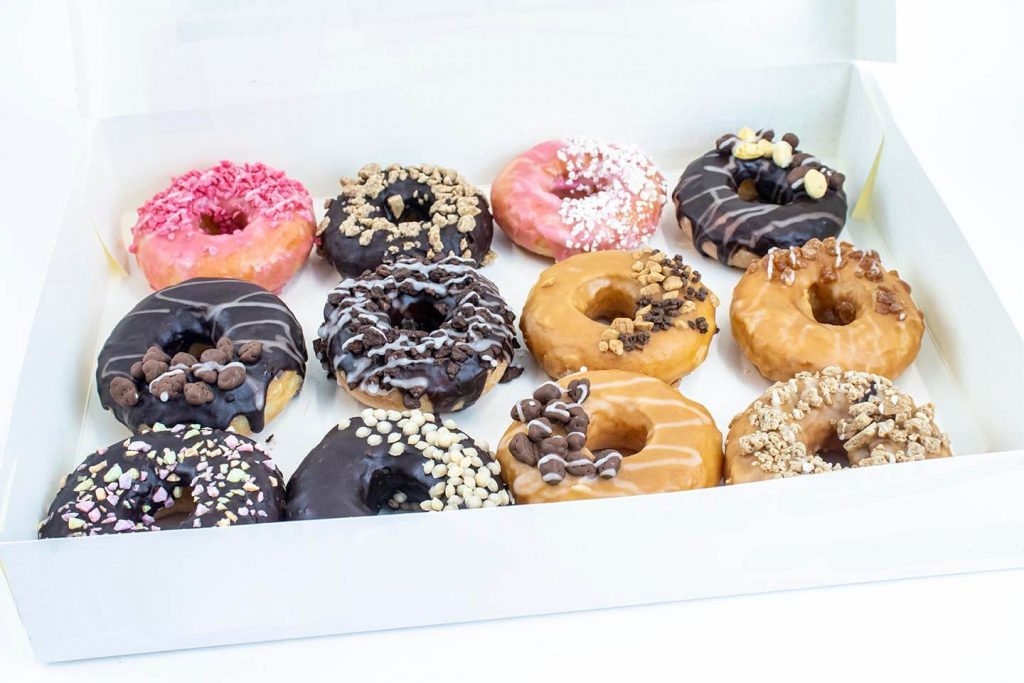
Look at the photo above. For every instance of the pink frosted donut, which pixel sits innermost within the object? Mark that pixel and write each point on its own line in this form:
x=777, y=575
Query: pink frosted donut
x=248, y=222
x=567, y=196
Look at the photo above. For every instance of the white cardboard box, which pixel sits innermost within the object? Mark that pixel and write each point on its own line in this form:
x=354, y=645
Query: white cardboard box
x=318, y=89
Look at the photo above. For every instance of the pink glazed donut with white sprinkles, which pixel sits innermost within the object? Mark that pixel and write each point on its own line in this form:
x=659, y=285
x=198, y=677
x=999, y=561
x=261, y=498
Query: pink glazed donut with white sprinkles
x=564, y=197
x=248, y=222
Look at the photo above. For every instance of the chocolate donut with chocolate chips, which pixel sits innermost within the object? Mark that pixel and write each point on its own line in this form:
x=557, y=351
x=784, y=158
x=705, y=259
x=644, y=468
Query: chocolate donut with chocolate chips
x=212, y=351
x=180, y=478
x=386, y=214
x=407, y=461
x=413, y=334
x=751, y=194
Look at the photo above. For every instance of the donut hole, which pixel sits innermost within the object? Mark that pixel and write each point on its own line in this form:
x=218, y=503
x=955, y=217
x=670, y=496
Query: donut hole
x=410, y=209
x=626, y=439
x=831, y=450
x=606, y=304
x=190, y=343
x=223, y=224
x=765, y=186
x=385, y=483
x=183, y=508
x=829, y=306
x=416, y=314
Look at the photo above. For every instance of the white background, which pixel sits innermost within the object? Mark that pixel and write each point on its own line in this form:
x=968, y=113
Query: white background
x=957, y=92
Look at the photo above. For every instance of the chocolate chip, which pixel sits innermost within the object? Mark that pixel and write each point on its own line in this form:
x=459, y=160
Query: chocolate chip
x=124, y=392
x=552, y=470
x=539, y=429
x=579, y=390
x=768, y=134
x=576, y=410
x=526, y=410
x=208, y=375
x=136, y=370
x=168, y=385
x=557, y=411
x=151, y=369
x=576, y=440
x=554, y=444
x=836, y=180
x=154, y=352
x=523, y=450
x=229, y=378
x=726, y=142
x=184, y=359
x=547, y=392
x=215, y=356
x=250, y=352
x=579, y=423
x=608, y=462
x=793, y=140
x=577, y=464
x=198, y=393
x=225, y=346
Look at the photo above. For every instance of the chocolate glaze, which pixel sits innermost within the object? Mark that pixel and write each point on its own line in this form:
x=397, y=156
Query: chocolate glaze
x=418, y=309
x=229, y=478
x=202, y=310
x=351, y=258
x=706, y=195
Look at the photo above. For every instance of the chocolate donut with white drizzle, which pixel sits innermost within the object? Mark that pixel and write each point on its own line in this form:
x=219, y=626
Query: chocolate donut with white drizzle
x=751, y=194
x=412, y=334
x=211, y=351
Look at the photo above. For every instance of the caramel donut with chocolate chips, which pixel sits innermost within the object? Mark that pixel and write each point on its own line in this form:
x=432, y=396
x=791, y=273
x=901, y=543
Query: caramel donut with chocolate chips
x=662, y=316
x=612, y=433
x=826, y=421
x=825, y=303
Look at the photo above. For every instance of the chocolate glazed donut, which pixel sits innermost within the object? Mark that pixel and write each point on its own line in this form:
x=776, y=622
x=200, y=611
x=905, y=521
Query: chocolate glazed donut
x=251, y=357
x=404, y=461
x=219, y=479
x=751, y=194
x=404, y=212
x=433, y=336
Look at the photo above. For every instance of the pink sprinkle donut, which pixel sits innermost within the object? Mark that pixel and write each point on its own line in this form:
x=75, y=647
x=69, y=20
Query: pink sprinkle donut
x=248, y=222
x=563, y=197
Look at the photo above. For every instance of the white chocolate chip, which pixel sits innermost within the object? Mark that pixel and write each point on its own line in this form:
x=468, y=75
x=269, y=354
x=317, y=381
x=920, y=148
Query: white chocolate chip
x=782, y=155
x=815, y=184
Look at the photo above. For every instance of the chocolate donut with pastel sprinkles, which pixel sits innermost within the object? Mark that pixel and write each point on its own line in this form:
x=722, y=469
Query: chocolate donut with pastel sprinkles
x=414, y=334
x=212, y=351
x=386, y=214
x=751, y=194
x=179, y=478
x=403, y=461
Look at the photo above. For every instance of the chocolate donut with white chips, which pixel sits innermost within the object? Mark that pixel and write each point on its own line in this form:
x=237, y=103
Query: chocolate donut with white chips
x=416, y=334
x=395, y=212
x=184, y=477
x=404, y=461
x=556, y=437
x=751, y=194
x=212, y=351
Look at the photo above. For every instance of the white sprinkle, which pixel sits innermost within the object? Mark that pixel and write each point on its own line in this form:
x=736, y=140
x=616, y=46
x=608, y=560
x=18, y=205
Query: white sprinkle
x=384, y=427
x=375, y=440
x=363, y=432
x=396, y=449
x=344, y=424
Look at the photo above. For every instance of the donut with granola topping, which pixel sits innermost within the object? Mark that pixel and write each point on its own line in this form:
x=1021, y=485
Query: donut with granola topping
x=826, y=421
x=642, y=311
x=825, y=303
x=563, y=197
x=397, y=212
x=753, y=193
x=183, y=477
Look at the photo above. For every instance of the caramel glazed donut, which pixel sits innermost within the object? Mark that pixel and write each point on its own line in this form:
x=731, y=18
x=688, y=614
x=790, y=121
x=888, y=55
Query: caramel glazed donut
x=386, y=214
x=824, y=421
x=662, y=315
x=825, y=303
x=750, y=194
x=572, y=440
x=431, y=336
x=407, y=460
x=218, y=478
x=251, y=357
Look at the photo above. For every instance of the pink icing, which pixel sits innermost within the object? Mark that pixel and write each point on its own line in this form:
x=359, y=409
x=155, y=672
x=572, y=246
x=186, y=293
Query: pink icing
x=224, y=193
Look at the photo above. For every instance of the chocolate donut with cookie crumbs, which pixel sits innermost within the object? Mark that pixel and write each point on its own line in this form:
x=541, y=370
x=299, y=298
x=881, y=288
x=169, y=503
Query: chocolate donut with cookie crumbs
x=753, y=193
x=386, y=459
x=213, y=351
x=662, y=315
x=435, y=336
x=184, y=477
x=386, y=214
x=826, y=421
x=825, y=303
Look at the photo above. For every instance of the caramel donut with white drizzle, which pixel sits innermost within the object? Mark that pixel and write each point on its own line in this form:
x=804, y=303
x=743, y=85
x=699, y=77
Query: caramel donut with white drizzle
x=212, y=351
x=825, y=303
x=826, y=421
x=608, y=433
x=434, y=336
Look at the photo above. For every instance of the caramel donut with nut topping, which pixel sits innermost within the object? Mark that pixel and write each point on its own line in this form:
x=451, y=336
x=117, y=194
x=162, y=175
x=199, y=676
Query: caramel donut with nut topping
x=662, y=316
x=615, y=434
x=826, y=421
x=825, y=303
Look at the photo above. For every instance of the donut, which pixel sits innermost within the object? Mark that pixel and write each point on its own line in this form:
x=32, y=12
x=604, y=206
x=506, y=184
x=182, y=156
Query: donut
x=249, y=222
x=217, y=352
x=412, y=334
x=750, y=194
x=825, y=303
x=662, y=316
x=564, y=197
x=608, y=433
x=826, y=421
x=386, y=214
x=406, y=460
x=183, y=477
